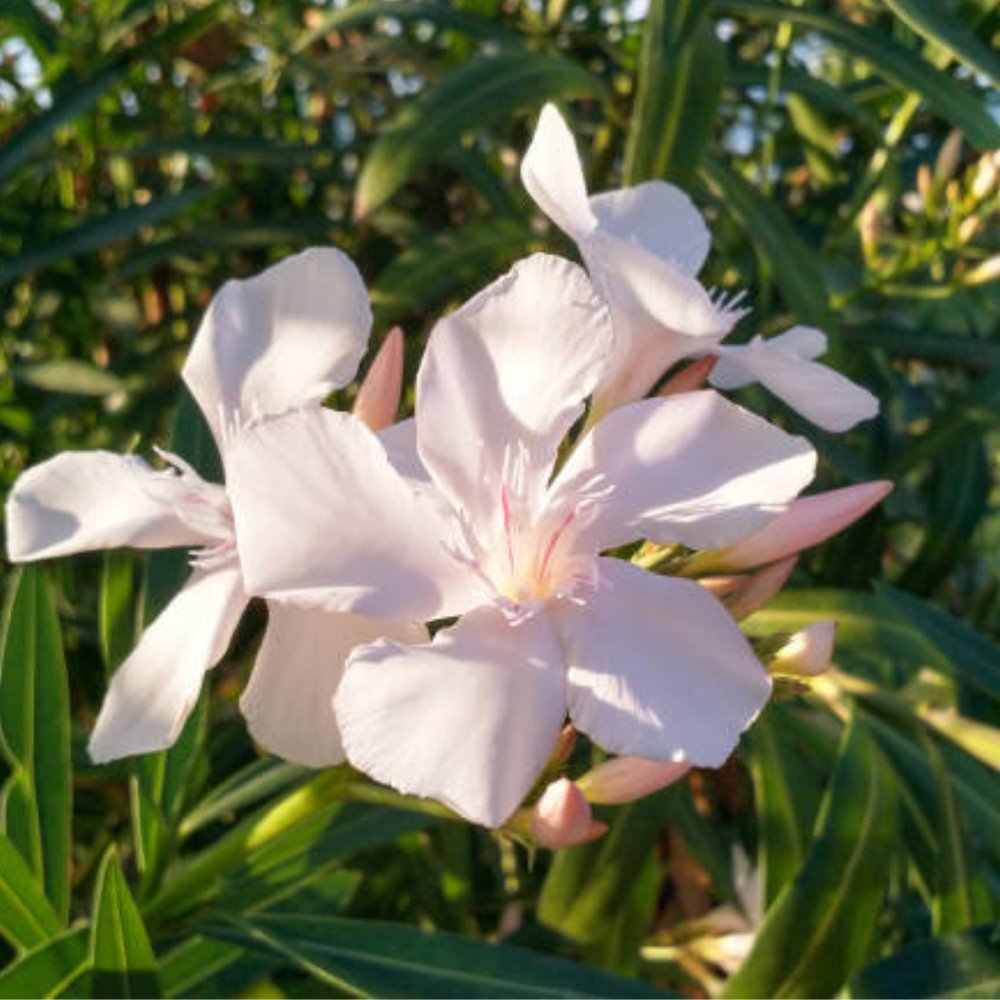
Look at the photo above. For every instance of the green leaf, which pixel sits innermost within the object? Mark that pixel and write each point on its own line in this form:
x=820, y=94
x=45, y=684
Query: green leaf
x=585, y=885
x=70, y=376
x=795, y=264
x=120, y=953
x=51, y=969
x=96, y=232
x=73, y=99
x=960, y=965
x=26, y=916
x=785, y=802
x=682, y=69
x=817, y=933
x=116, y=608
x=482, y=92
x=35, y=733
x=962, y=107
x=428, y=270
x=933, y=21
x=368, y=957
x=970, y=655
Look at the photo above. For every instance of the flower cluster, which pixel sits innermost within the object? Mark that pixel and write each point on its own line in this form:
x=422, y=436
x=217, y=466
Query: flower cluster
x=585, y=565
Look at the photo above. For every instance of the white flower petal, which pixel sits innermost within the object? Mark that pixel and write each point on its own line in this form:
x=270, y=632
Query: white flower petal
x=691, y=468
x=282, y=339
x=508, y=373
x=469, y=720
x=820, y=394
x=553, y=176
x=323, y=520
x=659, y=313
x=153, y=691
x=288, y=701
x=658, y=669
x=660, y=217
x=80, y=501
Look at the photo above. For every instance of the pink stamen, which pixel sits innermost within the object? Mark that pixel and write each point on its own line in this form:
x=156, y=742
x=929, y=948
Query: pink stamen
x=554, y=541
x=508, y=531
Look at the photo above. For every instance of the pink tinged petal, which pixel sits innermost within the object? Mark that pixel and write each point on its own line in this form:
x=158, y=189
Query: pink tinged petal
x=784, y=366
x=659, y=217
x=323, y=520
x=658, y=669
x=378, y=398
x=808, y=652
x=553, y=176
x=153, y=691
x=692, y=468
x=562, y=818
x=80, y=501
x=469, y=719
x=507, y=375
x=285, y=338
x=760, y=588
x=807, y=522
x=626, y=779
x=288, y=701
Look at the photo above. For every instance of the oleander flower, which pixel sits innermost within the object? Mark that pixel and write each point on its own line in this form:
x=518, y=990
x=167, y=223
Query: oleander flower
x=644, y=246
x=645, y=665
x=284, y=338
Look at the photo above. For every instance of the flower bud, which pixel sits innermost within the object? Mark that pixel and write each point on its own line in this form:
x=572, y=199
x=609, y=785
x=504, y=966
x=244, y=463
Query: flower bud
x=986, y=177
x=626, y=779
x=689, y=378
x=562, y=817
x=760, y=588
x=808, y=652
x=378, y=398
x=804, y=523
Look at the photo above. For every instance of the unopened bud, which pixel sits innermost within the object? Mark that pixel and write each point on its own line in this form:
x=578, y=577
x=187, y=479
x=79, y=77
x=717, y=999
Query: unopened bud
x=968, y=228
x=690, y=377
x=377, y=401
x=806, y=521
x=760, y=588
x=808, y=652
x=925, y=182
x=986, y=177
x=989, y=270
x=949, y=156
x=562, y=817
x=626, y=779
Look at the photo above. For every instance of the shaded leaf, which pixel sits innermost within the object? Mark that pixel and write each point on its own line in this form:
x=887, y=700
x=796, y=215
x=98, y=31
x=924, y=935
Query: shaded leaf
x=26, y=916
x=52, y=969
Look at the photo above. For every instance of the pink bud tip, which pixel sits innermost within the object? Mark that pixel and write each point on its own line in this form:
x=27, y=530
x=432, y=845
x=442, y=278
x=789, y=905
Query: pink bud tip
x=690, y=377
x=562, y=818
x=626, y=779
x=760, y=588
x=378, y=398
x=808, y=652
x=806, y=522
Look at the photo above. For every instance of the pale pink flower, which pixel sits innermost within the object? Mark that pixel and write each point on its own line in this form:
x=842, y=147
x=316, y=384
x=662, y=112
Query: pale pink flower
x=284, y=338
x=644, y=246
x=645, y=665
x=626, y=779
x=378, y=398
x=562, y=818
x=759, y=588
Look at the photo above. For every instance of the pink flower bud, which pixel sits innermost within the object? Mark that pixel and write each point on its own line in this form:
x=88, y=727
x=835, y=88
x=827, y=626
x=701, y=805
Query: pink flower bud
x=378, y=398
x=626, y=779
x=806, y=522
x=808, y=652
x=760, y=588
x=562, y=818
x=690, y=377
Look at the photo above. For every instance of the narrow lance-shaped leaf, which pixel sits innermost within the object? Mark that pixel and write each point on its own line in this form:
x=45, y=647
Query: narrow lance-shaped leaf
x=475, y=96
x=35, y=733
x=26, y=916
x=679, y=82
x=377, y=959
x=817, y=933
x=57, y=968
x=120, y=953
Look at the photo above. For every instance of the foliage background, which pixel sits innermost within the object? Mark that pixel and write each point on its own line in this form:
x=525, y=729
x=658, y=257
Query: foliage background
x=843, y=152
